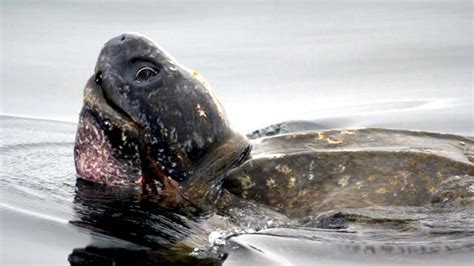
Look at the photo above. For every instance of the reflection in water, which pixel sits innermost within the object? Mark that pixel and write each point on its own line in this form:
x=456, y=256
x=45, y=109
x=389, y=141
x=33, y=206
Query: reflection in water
x=120, y=256
x=122, y=213
x=161, y=235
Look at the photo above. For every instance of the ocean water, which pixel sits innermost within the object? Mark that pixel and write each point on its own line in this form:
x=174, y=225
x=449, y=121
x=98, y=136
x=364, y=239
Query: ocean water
x=48, y=217
x=319, y=64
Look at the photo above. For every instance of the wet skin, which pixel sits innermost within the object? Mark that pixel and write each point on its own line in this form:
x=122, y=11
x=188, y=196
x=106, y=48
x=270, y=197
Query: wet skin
x=307, y=173
x=149, y=122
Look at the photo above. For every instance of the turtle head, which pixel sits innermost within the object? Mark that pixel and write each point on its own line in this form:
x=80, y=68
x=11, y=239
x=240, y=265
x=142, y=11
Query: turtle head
x=140, y=98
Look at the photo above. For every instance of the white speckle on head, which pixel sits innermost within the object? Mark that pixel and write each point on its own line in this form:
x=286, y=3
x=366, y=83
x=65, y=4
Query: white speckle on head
x=201, y=111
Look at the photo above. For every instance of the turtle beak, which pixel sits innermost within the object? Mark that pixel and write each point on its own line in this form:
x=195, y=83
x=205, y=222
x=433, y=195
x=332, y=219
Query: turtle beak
x=97, y=101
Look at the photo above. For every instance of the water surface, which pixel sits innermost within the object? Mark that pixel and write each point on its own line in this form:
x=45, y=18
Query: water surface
x=319, y=64
x=45, y=210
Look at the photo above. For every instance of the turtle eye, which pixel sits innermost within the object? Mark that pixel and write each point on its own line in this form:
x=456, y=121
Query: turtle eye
x=145, y=73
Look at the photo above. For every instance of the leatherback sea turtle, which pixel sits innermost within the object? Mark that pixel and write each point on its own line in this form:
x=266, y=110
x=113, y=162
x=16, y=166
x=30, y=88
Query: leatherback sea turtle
x=151, y=124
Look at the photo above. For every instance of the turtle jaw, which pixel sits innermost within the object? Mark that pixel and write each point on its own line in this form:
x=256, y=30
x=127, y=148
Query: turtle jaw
x=113, y=149
x=110, y=116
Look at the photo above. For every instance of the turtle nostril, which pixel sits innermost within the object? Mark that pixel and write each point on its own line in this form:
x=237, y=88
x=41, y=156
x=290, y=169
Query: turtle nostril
x=123, y=38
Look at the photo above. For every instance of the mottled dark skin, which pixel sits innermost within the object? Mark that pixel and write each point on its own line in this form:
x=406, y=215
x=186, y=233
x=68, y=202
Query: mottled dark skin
x=307, y=173
x=148, y=122
x=146, y=118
